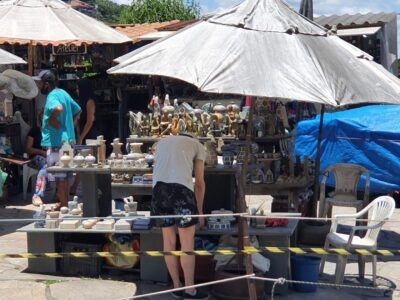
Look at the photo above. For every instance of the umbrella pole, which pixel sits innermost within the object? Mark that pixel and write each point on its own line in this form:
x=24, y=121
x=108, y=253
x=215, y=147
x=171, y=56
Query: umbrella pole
x=317, y=164
x=244, y=239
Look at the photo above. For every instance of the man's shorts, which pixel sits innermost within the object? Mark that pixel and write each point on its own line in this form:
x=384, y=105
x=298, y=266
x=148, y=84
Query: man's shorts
x=173, y=199
x=53, y=157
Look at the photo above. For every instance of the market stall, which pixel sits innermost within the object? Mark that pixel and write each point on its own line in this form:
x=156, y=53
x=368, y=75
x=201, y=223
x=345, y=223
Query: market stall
x=225, y=53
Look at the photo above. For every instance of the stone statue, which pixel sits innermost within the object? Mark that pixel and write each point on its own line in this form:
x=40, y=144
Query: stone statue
x=135, y=123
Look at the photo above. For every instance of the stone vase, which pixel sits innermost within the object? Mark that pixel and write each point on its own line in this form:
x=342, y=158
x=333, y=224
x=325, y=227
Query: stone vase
x=136, y=152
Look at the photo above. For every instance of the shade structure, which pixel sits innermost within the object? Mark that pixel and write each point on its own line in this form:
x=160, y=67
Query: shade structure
x=7, y=58
x=44, y=21
x=265, y=48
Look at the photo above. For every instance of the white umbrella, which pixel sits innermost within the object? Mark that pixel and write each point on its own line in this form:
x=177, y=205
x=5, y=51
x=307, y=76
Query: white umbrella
x=7, y=58
x=265, y=48
x=52, y=20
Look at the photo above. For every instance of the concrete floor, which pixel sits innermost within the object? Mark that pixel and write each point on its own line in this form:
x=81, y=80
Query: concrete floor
x=16, y=283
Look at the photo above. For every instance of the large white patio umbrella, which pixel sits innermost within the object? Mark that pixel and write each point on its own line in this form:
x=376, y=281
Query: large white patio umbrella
x=43, y=21
x=265, y=48
x=7, y=58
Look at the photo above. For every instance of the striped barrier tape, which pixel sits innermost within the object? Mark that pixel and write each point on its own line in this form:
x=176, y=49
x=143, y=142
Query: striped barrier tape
x=247, y=250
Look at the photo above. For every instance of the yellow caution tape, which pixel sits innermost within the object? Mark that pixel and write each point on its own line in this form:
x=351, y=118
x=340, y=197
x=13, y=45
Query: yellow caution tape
x=246, y=251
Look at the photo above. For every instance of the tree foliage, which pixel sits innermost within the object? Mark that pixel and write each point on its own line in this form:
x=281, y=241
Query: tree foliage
x=107, y=11
x=150, y=11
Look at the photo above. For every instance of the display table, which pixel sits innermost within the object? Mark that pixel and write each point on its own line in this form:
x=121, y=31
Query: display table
x=97, y=195
x=153, y=268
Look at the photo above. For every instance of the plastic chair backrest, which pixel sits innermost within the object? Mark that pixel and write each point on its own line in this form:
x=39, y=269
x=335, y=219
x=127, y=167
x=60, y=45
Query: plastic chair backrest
x=347, y=177
x=379, y=210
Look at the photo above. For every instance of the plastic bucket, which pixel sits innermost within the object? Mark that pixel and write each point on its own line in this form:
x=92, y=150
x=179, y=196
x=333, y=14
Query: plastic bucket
x=305, y=268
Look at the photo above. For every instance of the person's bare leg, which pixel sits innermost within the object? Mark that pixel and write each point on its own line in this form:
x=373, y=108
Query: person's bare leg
x=75, y=184
x=62, y=192
x=186, y=237
x=169, y=241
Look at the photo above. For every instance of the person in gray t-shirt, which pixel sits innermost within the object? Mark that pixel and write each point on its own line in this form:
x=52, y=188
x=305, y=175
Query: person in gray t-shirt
x=174, y=193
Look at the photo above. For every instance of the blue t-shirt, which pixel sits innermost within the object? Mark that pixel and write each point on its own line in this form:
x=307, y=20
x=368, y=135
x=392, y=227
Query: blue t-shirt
x=52, y=137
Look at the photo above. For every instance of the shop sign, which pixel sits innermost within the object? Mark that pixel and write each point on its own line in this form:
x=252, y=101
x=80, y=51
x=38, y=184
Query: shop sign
x=69, y=49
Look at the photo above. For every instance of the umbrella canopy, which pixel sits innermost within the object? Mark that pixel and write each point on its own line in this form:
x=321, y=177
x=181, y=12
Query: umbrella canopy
x=45, y=21
x=7, y=58
x=19, y=84
x=265, y=48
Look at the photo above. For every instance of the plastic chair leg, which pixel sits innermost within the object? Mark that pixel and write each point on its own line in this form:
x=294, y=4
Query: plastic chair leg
x=340, y=269
x=323, y=258
x=374, y=259
x=25, y=181
x=361, y=266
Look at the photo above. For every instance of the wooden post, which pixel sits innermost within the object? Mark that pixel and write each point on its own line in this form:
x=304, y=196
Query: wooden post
x=244, y=239
x=30, y=58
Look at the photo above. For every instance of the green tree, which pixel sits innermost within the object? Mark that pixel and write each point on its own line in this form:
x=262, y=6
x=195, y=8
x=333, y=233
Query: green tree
x=107, y=11
x=150, y=11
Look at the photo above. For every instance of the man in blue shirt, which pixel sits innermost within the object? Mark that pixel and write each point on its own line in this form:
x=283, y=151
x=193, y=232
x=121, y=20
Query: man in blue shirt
x=60, y=115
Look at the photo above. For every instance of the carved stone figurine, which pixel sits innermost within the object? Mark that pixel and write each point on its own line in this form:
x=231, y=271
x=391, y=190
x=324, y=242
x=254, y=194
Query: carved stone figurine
x=155, y=126
x=233, y=121
x=135, y=123
x=174, y=125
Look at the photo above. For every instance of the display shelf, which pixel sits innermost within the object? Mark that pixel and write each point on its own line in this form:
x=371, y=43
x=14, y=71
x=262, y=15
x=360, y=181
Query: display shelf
x=272, y=138
x=94, y=169
x=131, y=170
x=265, y=188
x=156, y=139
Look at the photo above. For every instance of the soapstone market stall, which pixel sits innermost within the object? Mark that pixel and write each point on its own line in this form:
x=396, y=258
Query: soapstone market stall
x=224, y=54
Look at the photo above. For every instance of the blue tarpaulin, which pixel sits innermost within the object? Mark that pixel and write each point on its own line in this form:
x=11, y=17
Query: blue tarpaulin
x=368, y=136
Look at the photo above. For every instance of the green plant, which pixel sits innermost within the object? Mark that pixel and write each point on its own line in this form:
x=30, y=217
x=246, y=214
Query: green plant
x=150, y=11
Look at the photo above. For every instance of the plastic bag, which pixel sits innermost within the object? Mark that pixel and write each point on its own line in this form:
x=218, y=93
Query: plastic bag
x=121, y=243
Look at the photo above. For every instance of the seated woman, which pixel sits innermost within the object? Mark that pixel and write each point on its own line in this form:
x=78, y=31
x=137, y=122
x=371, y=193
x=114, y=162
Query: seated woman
x=38, y=156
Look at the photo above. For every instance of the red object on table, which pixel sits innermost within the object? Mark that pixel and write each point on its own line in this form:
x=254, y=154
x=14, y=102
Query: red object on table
x=276, y=222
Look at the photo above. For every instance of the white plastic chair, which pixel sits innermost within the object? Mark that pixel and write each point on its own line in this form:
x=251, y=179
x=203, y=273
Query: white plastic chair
x=346, y=178
x=27, y=173
x=379, y=210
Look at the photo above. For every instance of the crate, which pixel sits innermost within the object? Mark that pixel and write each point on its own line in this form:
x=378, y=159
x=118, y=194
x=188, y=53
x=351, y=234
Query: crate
x=89, y=267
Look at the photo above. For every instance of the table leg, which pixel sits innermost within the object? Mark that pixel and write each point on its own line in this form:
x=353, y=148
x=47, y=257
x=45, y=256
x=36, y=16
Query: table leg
x=42, y=242
x=96, y=204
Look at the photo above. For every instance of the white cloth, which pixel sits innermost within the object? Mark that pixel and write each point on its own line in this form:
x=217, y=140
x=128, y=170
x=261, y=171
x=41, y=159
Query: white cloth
x=173, y=161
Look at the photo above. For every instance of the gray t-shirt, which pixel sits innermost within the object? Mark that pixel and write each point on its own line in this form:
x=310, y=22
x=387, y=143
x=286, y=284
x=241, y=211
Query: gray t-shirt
x=174, y=160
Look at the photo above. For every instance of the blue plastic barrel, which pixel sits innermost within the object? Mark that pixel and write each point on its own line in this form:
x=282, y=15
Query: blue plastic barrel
x=305, y=268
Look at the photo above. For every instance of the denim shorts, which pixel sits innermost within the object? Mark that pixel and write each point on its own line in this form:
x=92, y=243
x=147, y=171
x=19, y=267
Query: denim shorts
x=173, y=199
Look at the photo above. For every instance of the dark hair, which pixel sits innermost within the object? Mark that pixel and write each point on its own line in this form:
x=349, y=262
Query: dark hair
x=85, y=90
x=51, y=78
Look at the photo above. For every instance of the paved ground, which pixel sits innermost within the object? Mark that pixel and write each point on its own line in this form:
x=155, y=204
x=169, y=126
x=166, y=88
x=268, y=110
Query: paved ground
x=16, y=283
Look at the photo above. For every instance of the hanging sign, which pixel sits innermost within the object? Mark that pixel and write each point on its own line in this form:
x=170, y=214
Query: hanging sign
x=69, y=49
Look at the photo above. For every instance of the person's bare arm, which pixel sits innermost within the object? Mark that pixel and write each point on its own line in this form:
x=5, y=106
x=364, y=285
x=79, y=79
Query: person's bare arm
x=31, y=150
x=77, y=117
x=52, y=121
x=90, y=113
x=199, y=188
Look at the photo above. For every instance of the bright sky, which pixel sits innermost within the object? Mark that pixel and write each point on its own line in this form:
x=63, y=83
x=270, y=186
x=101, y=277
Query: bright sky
x=321, y=7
